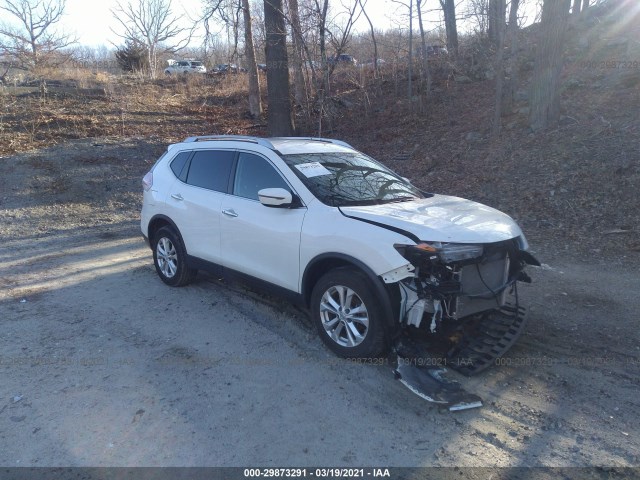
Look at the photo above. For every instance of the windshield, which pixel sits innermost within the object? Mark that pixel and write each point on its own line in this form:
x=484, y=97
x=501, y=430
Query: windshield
x=342, y=179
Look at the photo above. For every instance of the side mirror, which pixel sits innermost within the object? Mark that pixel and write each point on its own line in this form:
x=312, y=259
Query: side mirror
x=275, y=197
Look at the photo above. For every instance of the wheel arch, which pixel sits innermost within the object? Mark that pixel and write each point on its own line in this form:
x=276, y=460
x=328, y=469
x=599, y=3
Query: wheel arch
x=325, y=262
x=159, y=221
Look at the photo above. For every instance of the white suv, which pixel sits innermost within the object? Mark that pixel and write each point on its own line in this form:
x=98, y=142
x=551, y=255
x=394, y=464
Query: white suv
x=369, y=254
x=184, y=67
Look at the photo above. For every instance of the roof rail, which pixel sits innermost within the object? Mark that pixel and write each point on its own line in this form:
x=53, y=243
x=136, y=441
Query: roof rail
x=316, y=139
x=236, y=138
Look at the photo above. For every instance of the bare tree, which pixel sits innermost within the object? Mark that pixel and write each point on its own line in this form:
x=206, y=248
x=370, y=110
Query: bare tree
x=279, y=121
x=500, y=27
x=410, y=53
x=297, y=51
x=373, y=38
x=410, y=69
x=153, y=24
x=545, y=84
x=497, y=20
x=255, y=104
x=450, y=25
x=323, y=90
x=576, y=7
x=425, y=74
x=33, y=42
x=512, y=40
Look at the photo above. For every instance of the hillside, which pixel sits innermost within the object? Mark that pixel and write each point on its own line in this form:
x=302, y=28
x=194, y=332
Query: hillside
x=574, y=186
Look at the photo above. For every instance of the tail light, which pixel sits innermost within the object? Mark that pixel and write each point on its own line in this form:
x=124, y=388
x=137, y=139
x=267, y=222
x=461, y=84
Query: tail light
x=147, y=181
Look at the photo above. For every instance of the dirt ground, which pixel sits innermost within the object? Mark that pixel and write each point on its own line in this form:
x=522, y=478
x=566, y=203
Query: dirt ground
x=104, y=365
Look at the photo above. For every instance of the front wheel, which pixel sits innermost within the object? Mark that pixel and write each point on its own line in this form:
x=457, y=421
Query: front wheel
x=170, y=258
x=347, y=314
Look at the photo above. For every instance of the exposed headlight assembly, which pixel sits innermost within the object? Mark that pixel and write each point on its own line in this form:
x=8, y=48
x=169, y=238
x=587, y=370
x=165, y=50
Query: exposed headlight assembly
x=447, y=252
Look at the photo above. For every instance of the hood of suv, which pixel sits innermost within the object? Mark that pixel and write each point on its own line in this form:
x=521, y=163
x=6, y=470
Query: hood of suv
x=441, y=218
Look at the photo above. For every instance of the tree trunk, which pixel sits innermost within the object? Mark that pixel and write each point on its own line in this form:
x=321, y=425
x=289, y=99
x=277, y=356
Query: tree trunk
x=323, y=91
x=410, y=70
x=492, y=20
x=576, y=7
x=425, y=74
x=450, y=24
x=512, y=40
x=373, y=39
x=497, y=117
x=299, y=84
x=545, y=84
x=279, y=121
x=255, y=104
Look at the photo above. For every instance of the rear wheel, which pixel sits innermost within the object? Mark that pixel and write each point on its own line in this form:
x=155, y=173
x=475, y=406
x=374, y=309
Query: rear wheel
x=170, y=258
x=347, y=314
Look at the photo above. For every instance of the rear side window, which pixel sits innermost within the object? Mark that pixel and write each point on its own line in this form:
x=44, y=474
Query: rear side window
x=253, y=174
x=178, y=165
x=210, y=169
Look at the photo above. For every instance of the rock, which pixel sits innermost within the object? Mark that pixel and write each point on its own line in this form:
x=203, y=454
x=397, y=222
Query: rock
x=566, y=120
x=618, y=42
x=572, y=83
x=462, y=79
x=474, y=137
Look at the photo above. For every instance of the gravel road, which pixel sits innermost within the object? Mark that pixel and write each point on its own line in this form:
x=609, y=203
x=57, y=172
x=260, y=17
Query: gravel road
x=103, y=365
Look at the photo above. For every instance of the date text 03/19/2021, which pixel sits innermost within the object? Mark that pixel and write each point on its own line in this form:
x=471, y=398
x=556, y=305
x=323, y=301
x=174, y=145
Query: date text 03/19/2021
x=317, y=472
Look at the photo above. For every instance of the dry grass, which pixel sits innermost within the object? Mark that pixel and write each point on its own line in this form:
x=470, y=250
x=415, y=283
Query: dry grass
x=102, y=105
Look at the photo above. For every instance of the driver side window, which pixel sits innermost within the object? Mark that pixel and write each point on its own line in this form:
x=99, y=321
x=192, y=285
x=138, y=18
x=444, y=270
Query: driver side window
x=254, y=173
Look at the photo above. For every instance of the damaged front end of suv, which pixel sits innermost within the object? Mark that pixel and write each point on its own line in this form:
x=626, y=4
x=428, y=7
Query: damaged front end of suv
x=462, y=299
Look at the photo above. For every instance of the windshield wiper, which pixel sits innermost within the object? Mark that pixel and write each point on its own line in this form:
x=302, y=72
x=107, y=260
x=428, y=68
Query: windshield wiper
x=398, y=200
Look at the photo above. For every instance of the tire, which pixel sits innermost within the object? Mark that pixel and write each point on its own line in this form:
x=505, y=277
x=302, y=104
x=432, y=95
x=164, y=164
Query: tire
x=170, y=258
x=348, y=334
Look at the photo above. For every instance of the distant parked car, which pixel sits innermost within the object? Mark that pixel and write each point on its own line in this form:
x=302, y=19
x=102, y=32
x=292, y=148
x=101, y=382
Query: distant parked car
x=437, y=51
x=262, y=67
x=380, y=62
x=342, y=59
x=224, y=68
x=184, y=67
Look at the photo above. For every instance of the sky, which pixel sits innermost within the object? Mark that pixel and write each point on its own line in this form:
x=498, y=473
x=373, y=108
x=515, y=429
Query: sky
x=92, y=20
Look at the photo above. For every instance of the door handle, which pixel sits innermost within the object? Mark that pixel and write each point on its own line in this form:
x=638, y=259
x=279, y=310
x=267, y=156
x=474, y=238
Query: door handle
x=230, y=213
x=177, y=196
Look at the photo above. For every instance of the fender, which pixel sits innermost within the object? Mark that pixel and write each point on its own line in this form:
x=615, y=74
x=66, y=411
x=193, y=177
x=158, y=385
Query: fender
x=170, y=222
x=379, y=288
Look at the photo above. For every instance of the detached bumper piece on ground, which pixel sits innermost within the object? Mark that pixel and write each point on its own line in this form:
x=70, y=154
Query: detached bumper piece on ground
x=431, y=384
x=476, y=346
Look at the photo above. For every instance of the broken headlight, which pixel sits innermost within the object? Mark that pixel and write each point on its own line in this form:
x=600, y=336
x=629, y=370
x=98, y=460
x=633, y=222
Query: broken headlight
x=446, y=252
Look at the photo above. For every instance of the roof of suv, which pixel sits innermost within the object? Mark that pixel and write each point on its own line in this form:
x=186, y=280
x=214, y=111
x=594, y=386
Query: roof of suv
x=284, y=145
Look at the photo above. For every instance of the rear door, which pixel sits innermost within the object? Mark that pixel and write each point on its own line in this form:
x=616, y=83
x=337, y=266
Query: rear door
x=195, y=201
x=260, y=241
